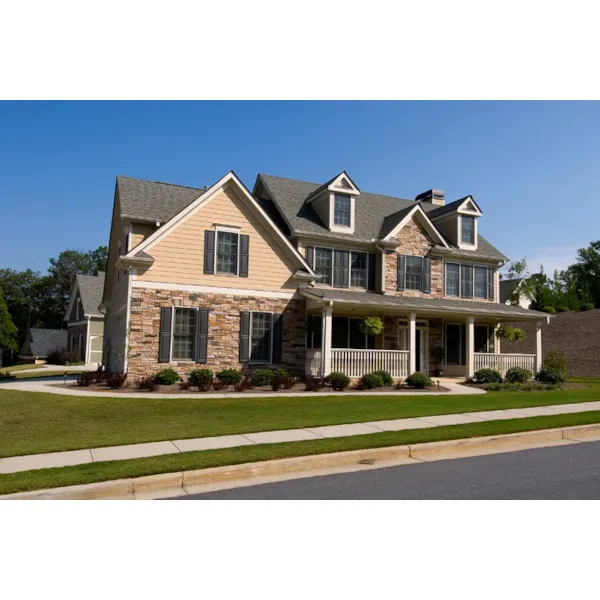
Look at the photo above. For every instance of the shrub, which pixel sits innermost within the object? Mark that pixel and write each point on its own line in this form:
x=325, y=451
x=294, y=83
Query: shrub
x=587, y=306
x=314, y=384
x=244, y=384
x=116, y=381
x=262, y=377
x=86, y=379
x=386, y=377
x=562, y=309
x=166, y=376
x=510, y=334
x=201, y=378
x=371, y=381
x=530, y=386
x=557, y=360
x=62, y=356
x=550, y=375
x=419, y=381
x=184, y=385
x=487, y=376
x=148, y=383
x=549, y=309
x=517, y=375
x=229, y=376
x=338, y=381
x=281, y=378
x=371, y=326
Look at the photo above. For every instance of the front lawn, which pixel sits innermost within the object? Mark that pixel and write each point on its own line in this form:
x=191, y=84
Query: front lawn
x=105, y=471
x=32, y=423
x=15, y=368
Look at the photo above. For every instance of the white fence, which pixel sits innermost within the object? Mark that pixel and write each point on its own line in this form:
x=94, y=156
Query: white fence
x=356, y=363
x=503, y=362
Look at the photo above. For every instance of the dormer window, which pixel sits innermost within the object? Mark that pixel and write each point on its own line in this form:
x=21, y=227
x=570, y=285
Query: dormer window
x=467, y=230
x=342, y=210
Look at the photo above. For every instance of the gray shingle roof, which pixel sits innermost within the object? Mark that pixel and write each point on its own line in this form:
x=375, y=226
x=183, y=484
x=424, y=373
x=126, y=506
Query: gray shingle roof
x=91, y=289
x=438, y=211
x=392, y=220
x=153, y=200
x=507, y=287
x=45, y=341
x=374, y=213
x=490, y=309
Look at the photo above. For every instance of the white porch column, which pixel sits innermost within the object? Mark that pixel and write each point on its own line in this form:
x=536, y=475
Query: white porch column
x=326, y=331
x=470, y=345
x=412, y=343
x=538, y=345
x=496, y=339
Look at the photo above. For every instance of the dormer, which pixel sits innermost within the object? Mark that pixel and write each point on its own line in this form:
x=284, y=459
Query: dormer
x=334, y=202
x=458, y=222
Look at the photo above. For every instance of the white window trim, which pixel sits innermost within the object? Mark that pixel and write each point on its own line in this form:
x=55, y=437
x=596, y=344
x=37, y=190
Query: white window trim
x=462, y=264
x=227, y=229
x=260, y=362
x=422, y=257
x=466, y=245
x=341, y=228
x=181, y=360
x=332, y=249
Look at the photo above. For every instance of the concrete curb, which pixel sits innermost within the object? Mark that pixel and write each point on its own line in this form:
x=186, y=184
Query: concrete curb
x=128, y=488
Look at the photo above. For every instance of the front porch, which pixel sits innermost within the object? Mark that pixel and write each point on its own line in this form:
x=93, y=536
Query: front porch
x=452, y=345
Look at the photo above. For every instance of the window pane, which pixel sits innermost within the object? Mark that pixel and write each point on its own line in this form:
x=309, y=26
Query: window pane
x=358, y=269
x=341, y=212
x=357, y=338
x=323, y=264
x=314, y=332
x=184, y=333
x=468, y=229
x=452, y=279
x=480, y=282
x=339, y=332
x=260, y=338
x=481, y=338
x=466, y=276
x=414, y=268
x=227, y=252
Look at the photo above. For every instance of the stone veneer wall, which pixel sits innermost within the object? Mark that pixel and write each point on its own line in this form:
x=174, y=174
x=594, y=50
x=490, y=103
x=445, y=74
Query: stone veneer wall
x=223, y=329
x=413, y=240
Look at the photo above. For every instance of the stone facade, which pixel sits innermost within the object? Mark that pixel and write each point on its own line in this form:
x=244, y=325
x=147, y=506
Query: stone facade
x=223, y=329
x=414, y=240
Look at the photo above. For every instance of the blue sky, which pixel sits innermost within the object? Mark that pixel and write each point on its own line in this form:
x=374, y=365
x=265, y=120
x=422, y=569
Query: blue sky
x=533, y=167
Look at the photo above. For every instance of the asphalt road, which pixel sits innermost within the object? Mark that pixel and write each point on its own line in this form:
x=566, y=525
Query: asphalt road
x=560, y=472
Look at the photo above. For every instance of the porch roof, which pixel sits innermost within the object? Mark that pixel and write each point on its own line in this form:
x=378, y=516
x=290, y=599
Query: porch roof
x=431, y=305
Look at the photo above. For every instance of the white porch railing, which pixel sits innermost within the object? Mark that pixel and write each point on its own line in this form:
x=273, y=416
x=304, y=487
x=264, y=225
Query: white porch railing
x=503, y=362
x=356, y=363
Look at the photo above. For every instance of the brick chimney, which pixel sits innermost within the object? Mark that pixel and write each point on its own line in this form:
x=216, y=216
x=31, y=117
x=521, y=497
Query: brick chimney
x=432, y=196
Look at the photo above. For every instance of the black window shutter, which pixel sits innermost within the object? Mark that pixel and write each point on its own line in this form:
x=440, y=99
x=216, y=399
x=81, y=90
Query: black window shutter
x=310, y=256
x=426, y=275
x=201, y=336
x=371, y=268
x=401, y=272
x=337, y=268
x=164, y=340
x=277, y=338
x=490, y=284
x=244, y=336
x=345, y=269
x=244, y=254
x=209, y=251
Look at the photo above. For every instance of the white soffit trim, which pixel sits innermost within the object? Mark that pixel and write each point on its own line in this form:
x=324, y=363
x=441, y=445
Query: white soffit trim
x=207, y=289
x=192, y=208
x=426, y=222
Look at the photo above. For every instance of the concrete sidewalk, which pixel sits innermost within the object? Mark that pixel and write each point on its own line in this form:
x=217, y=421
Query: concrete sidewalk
x=77, y=457
x=74, y=390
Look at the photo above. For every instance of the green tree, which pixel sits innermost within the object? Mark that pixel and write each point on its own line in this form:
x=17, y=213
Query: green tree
x=8, y=330
x=587, y=272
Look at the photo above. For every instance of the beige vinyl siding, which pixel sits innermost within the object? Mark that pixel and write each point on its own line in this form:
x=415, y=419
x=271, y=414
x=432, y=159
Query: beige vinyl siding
x=179, y=257
x=140, y=232
x=96, y=326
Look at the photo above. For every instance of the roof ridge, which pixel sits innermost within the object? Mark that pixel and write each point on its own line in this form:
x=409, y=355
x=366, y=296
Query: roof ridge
x=187, y=187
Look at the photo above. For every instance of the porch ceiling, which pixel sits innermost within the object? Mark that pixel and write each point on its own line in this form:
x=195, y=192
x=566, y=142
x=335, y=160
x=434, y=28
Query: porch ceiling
x=424, y=306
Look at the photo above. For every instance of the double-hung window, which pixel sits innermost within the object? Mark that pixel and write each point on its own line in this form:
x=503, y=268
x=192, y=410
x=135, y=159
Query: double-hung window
x=184, y=333
x=341, y=210
x=481, y=283
x=452, y=279
x=467, y=229
x=358, y=269
x=324, y=264
x=227, y=252
x=261, y=326
x=414, y=273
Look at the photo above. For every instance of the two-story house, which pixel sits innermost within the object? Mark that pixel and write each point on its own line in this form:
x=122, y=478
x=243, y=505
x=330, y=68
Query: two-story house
x=284, y=275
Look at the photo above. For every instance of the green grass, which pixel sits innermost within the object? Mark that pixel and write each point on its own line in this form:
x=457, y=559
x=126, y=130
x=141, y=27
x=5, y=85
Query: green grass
x=32, y=423
x=4, y=370
x=105, y=471
x=52, y=373
x=583, y=379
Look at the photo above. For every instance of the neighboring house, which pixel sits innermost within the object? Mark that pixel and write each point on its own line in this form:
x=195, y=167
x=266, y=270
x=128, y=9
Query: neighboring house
x=85, y=322
x=509, y=289
x=284, y=275
x=40, y=343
